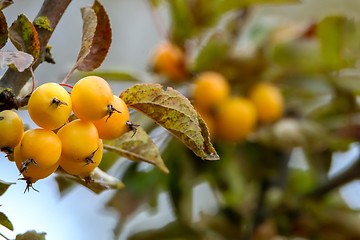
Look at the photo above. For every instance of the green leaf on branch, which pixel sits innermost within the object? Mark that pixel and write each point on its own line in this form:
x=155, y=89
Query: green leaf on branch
x=96, y=37
x=3, y=30
x=31, y=235
x=5, y=3
x=4, y=186
x=138, y=147
x=19, y=59
x=23, y=35
x=6, y=222
x=170, y=109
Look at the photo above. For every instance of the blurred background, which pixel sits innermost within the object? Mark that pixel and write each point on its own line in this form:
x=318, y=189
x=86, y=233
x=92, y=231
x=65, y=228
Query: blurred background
x=288, y=178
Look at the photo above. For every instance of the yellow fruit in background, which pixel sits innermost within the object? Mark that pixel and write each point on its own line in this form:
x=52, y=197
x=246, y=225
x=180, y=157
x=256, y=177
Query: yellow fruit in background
x=50, y=106
x=11, y=129
x=112, y=127
x=75, y=167
x=268, y=101
x=168, y=59
x=79, y=140
x=210, y=89
x=235, y=119
x=91, y=98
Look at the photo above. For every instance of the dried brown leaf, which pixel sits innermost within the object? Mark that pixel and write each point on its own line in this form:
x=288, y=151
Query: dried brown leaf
x=3, y=30
x=5, y=3
x=96, y=37
x=19, y=59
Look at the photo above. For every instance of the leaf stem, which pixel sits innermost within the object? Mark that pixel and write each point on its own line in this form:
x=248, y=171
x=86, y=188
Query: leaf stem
x=66, y=85
x=33, y=79
x=69, y=74
x=161, y=29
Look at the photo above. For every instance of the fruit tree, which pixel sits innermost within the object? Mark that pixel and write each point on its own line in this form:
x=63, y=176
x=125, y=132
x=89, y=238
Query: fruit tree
x=254, y=110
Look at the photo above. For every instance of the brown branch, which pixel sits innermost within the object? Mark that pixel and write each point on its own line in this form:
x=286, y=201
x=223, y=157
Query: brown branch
x=4, y=236
x=348, y=175
x=53, y=10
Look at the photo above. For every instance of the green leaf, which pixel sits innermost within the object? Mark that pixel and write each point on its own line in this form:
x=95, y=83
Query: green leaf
x=19, y=59
x=227, y=5
x=181, y=21
x=329, y=31
x=108, y=160
x=96, y=37
x=213, y=51
x=4, y=186
x=6, y=222
x=138, y=147
x=64, y=185
x=301, y=181
x=5, y=3
x=23, y=35
x=170, y=109
x=110, y=75
x=300, y=55
x=3, y=30
x=339, y=37
x=31, y=235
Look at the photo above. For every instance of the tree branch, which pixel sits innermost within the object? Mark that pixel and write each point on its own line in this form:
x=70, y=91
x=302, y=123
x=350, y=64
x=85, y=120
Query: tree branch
x=348, y=175
x=2, y=235
x=53, y=11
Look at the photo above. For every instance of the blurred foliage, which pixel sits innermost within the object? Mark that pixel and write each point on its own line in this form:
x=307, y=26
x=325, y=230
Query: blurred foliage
x=263, y=190
x=31, y=235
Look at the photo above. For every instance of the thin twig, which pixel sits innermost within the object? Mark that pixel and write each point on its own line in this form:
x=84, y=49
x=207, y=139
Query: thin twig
x=159, y=24
x=348, y=175
x=33, y=79
x=4, y=236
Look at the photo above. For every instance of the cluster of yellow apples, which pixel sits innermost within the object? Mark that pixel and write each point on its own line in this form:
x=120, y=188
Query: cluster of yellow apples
x=229, y=117
x=75, y=145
